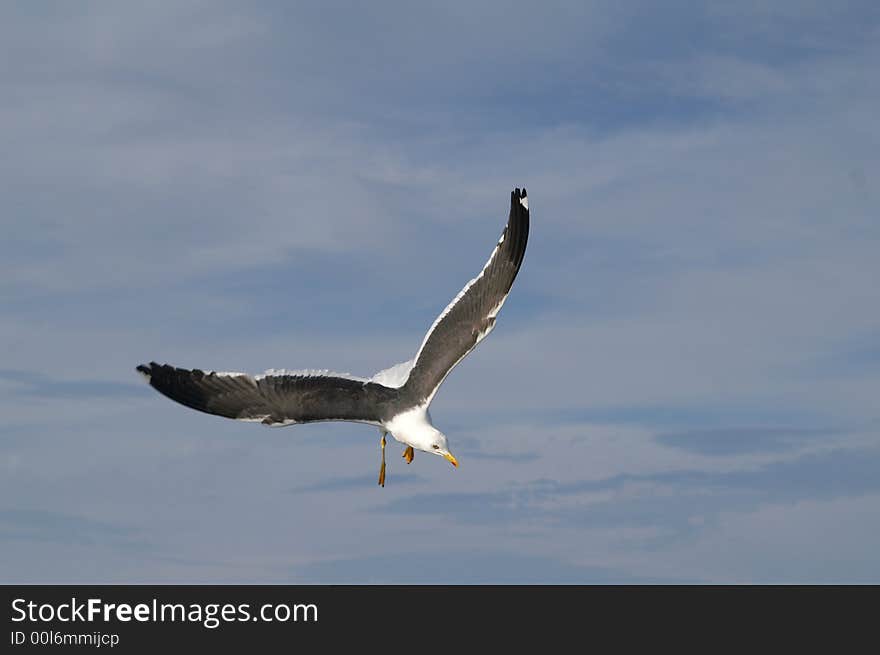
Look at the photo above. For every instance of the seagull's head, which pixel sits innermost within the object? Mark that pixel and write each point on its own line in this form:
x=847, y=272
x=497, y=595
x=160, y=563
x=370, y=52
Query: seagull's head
x=433, y=441
x=440, y=447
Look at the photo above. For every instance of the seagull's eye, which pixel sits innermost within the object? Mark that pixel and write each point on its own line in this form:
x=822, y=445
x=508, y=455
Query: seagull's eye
x=435, y=447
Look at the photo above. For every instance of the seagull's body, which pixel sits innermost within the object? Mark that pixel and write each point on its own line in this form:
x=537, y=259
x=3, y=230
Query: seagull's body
x=395, y=400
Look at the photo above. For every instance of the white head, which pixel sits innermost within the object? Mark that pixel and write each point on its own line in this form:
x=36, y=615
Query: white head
x=414, y=428
x=431, y=440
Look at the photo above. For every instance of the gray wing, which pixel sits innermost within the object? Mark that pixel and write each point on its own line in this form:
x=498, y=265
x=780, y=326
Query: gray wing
x=470, y=317
x=274, y=399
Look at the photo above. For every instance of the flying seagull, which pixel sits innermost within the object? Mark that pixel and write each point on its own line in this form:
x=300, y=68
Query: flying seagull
x=396, y=399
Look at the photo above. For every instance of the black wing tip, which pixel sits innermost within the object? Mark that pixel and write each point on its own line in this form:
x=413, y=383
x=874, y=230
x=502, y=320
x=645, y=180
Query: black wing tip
x=147, y=370
x=519, y=199
x=164, y=370
x=151, y=370
x=517, y=230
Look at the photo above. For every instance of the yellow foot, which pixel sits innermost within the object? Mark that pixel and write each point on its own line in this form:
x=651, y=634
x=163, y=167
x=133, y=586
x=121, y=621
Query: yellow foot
x=408, y=454
x=382, y=468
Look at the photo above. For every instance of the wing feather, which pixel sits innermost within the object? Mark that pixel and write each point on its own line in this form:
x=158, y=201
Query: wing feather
x=471, y=315
x=274, y=399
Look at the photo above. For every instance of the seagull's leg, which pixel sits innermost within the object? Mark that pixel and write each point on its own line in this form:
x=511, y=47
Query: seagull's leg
x=382, y=468
x=408, y=454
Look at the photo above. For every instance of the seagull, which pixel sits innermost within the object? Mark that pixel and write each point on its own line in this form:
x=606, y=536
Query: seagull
x=396, y=399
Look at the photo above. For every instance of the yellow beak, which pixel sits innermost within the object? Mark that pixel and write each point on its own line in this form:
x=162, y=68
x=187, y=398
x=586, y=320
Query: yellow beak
x=451, y=459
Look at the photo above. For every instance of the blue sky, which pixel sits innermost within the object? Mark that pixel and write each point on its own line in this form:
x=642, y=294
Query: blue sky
x=682, y=386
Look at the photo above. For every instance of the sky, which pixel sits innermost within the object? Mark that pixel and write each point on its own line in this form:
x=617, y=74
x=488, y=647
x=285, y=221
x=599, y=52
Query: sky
x=682, y=386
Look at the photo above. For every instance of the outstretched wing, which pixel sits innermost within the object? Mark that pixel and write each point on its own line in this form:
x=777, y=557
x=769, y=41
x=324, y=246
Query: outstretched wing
x=470, y=317
x=274, y=398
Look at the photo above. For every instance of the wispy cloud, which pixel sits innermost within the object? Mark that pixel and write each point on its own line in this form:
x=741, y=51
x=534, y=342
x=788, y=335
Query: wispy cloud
x=61, y=529
x=443, y=567
x=730, y=441
x=679, y=504
x=354, y=483
x=26, y=383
